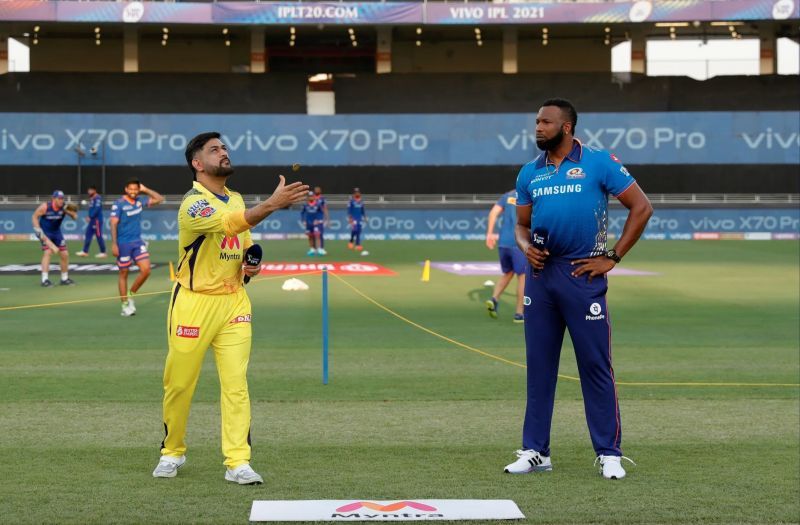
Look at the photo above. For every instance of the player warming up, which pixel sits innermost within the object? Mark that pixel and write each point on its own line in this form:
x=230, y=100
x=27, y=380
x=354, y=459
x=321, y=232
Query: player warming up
x=356, y=216
x=126, y=239
x=326, y=220
x=94, y=224
x=512, y=260
x=210, y=307
x=47, y=219
x=562, y=222
x=313, y=217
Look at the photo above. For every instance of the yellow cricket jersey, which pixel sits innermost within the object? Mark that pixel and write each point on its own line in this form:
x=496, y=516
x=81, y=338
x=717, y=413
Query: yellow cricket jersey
x=212, y=238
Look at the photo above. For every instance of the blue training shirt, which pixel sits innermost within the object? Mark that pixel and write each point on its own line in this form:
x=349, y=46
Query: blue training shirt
x=129, y=213
x=51, y=221
x=312, y=212
x=571, y=202
x=355, y=209
x=508, y=201
x=96, y=208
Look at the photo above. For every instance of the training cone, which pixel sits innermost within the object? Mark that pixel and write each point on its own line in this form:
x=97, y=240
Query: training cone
x=171, y=272
x=426, y=271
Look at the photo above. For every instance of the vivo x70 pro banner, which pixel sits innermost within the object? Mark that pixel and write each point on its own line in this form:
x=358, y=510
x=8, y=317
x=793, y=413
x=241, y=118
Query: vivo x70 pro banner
x=767, y=137
x=160, y=224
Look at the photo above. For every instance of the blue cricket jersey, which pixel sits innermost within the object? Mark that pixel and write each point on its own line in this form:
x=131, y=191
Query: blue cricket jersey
x=355, y=209
x=508, y=201
x=571, y=202
x=96, y=208
x=312, y=212
x=51, y=221
x=129, y=213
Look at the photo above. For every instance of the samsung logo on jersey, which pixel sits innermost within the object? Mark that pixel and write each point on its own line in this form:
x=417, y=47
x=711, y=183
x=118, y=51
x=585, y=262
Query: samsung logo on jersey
x=556, y=190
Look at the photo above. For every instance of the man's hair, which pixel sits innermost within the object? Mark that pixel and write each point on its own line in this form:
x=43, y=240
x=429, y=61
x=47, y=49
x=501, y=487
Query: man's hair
x=130, y=181
x=92, y=187
x=195, y=145
x=566, y=107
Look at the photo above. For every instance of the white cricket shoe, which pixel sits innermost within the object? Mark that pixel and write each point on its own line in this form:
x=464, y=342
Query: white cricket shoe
x=243, y=475
x=131, y=304
x=82, y=254
x=168, y=466
x=128, y=310
x=321, y=251
x=529, y=461
x=101, y=255
x=611, y=466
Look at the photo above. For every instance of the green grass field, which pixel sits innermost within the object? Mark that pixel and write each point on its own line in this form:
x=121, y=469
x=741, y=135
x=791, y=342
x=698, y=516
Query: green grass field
x=407, y=415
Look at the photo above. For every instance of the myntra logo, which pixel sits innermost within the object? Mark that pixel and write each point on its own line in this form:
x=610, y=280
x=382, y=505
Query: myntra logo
x=385, y=508
x=230, y=242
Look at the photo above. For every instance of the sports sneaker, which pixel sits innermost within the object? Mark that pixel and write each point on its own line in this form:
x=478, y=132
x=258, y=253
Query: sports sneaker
x=611, y=466
x=46, y=283
x=519, y=318
x=491, y=305
x=359, y=248
x=127, y=311
x=67, y=282
x=101, y=255
x=529, y=461
x=350, y=245
x=322, y=251
x=168, y=466
x=131, y=304
x=82, y=254
x=311, y=252
x=243, y=475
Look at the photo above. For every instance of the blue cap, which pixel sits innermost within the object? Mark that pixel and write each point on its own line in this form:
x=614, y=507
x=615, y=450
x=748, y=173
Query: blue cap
x=58, y=194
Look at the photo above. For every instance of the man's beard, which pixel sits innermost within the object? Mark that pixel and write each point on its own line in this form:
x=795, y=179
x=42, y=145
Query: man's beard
x=221, y=171
x=551, y=144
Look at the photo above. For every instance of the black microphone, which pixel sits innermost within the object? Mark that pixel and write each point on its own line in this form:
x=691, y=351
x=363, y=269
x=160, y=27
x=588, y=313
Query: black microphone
x=252, y=257
x=538, y=239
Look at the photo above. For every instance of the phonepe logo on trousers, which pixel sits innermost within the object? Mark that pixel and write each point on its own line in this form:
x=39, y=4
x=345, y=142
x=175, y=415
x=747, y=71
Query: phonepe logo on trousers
x=595, y=310
x=527, y=301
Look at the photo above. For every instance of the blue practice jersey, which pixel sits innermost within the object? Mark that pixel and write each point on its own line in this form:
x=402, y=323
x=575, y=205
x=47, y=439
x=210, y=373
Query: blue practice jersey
x=571, y=202
x=51, y=221
x=312, y=212
x=96, y=208
x=355, y=209
x=129, y=213
x=508, y=201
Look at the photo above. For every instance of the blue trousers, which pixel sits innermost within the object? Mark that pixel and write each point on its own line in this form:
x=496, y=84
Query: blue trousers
x=554, y=300
x=94, y=229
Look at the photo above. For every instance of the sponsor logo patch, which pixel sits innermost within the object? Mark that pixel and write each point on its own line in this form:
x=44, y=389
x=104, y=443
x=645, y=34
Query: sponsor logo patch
x=201, y=208
x=241, y=319
x=192, y=332
x=615, y=159
x=230, y=243
x=595, y=310
x=576, y=173
x=624, y=171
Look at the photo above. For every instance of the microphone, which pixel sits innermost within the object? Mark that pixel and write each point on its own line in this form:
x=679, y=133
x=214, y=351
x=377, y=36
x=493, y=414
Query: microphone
x=252, y=257
x=538, y=239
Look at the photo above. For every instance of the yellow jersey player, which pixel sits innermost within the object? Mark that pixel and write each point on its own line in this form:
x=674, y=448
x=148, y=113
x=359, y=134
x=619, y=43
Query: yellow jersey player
x=209, y=306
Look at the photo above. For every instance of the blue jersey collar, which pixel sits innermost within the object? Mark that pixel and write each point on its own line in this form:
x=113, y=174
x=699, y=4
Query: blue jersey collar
x=574, y=155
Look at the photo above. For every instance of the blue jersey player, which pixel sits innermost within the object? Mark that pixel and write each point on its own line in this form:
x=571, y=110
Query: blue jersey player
x=126, y=239
x=356, y=217
x=512, y=260
x=313, y=217
x=323, y=204
x=94, y=225
x=562, y=220
x=47, y=219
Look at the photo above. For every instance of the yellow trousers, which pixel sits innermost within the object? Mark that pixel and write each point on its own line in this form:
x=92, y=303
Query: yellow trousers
x=195, y=322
